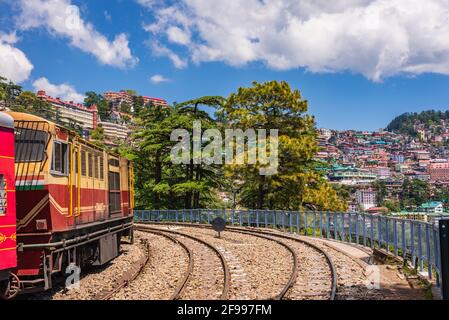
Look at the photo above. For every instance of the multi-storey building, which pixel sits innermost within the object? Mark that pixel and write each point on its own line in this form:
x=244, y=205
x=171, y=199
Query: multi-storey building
x=438, y=171
x=87, y=118
x=114, y=131
x=155, y=101
x=366, y=198
x=123, y=96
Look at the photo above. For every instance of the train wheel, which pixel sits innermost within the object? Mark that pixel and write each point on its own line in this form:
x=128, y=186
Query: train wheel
x=12, y=288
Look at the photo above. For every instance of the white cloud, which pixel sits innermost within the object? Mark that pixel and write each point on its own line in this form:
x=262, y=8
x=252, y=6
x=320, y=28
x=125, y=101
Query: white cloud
x=14, y=64
x=157, y=78
x=377, y=38
x=64, y=91
x=160, y=50
x=61, y=18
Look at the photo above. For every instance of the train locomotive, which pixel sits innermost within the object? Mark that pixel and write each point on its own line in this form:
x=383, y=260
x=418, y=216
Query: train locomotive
x=63, y=202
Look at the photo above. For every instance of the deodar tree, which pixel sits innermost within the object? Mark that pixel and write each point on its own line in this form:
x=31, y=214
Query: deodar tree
x=298, y=184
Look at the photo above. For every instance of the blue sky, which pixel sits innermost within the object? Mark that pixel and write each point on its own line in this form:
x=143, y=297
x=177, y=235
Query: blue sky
x=360, y=86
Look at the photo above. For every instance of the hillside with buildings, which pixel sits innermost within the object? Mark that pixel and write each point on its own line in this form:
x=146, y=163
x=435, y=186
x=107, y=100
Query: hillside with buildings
x=385, y=171
x=427, y=126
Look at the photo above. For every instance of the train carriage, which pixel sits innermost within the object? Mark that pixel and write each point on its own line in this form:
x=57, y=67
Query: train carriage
x=74, y=201
x=8, y=255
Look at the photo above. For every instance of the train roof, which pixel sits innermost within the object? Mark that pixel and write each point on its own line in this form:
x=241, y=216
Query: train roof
x=20, y=116
x=6, y=121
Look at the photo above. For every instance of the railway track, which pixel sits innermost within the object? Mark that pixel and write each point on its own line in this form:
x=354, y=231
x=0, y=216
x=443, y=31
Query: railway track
x=191, y=284
x=128, y=277
x=179, y=290
x=192, y=276
x=313, y=274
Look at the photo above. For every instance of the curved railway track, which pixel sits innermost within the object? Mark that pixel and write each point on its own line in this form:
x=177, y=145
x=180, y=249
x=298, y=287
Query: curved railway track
x=315, y=282
x=183, y=287
x=127, y=277
x=188, y=275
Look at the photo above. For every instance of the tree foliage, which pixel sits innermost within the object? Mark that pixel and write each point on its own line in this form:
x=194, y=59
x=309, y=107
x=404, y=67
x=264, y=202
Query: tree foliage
x=103, y=106
x=298, y=184
x=405, y=123
x=160, y=183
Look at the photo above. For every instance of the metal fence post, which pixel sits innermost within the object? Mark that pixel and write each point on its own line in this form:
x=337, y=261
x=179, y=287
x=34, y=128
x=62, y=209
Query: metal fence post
x=379, y=231
x=372, y=231
x=342, y=231
x=350, y=227
x=387, y=235
x=266, y=219
x=291, y=221
x=364, y=229
x=436, y=256
x=335, y=219
x=314, y=224
x=240, y=218
x=395, y=237
x=444, y=247
x=328, y=225
x=257, y=218
x=429, y=262
x=412, y=243
x=357, y=228
x=404, y=245
x=297, y=222
x=305, y=223
x=321, y=224
x=420, y=260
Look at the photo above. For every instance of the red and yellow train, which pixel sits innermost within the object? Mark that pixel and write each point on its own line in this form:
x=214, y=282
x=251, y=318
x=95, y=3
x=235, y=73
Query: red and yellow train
x=63, y=202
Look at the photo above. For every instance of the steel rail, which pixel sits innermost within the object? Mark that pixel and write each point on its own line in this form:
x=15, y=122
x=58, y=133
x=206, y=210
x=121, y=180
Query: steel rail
x=333, y=290
x=226, y=272
x=294, y=273
x=108, y=295
x=180, y=289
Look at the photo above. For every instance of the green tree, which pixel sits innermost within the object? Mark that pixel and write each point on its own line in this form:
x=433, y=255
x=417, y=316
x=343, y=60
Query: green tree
x=414, y=193
x=28, y=102
x=125, y=107
x=9, y=92
x=298, y=184
x=103, y=106
x=138, y=104
x=196, y=173
x=381, y=190
x=97, y=136
x=392, y=205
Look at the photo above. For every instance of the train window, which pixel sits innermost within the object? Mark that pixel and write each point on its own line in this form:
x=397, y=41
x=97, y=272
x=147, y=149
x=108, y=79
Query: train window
x=89, y=164
x=114, y=192
x=114, y=162
x=60, y=158
x=83, y=162
x=30, y=145
x=3, y=204
x=96, y=159
x=101, y=167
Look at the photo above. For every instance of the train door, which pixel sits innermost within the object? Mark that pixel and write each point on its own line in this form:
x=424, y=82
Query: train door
x=74, y=173
x=91, y=187
x=114, y=187
x=80, y=183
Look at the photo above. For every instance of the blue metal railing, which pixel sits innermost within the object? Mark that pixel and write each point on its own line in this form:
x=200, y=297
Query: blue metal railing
x=414, y=240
